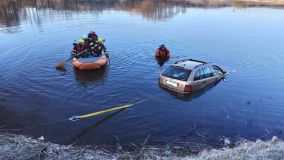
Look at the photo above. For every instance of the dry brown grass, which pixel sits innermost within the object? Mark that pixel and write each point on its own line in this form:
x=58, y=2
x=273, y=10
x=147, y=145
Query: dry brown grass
x=21, y=147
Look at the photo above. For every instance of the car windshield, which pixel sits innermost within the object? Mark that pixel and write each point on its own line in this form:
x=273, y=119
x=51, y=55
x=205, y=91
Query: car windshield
x=177, y=73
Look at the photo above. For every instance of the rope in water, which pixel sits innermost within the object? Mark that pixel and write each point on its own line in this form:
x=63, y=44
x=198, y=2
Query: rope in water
x=76, y=118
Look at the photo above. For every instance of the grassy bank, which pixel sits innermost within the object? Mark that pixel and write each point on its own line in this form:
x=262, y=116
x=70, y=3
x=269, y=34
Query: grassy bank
x=21, y=147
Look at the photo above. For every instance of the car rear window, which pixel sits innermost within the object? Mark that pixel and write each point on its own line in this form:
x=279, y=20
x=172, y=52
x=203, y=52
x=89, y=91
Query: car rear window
x=177, y=73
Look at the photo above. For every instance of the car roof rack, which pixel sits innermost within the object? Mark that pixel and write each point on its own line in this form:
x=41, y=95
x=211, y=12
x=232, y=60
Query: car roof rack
x=194, y=60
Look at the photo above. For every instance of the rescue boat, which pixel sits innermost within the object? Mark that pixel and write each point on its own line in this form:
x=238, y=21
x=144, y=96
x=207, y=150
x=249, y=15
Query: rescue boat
x=81, y=64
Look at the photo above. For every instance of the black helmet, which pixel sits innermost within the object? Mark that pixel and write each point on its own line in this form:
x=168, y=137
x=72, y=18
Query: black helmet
x=162, y=46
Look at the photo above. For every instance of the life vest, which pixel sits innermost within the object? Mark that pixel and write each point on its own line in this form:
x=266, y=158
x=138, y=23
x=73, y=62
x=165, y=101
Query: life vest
x=162, y=53
x=99, y=48
x=80, y=48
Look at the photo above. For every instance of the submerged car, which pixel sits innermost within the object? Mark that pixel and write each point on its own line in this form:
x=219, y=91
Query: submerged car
x=189, y=75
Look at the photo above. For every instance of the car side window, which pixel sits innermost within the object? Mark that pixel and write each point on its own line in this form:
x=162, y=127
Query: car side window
x=217, y=70
x=198, y=75
x=207, y=72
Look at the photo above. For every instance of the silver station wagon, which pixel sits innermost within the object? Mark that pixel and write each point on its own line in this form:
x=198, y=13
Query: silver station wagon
x=188, y=75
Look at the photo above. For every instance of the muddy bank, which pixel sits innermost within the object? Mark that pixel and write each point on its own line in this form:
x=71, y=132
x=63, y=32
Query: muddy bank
x=21, y=147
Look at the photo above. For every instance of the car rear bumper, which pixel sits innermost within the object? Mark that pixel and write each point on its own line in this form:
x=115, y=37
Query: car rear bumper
x=173, y=89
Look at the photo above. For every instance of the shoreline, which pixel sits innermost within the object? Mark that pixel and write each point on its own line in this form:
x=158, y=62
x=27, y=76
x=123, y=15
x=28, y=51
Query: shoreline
x=14, y=146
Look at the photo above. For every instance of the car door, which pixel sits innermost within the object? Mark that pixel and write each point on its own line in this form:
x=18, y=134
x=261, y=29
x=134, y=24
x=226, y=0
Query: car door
x=207, y=76
x=197, y=83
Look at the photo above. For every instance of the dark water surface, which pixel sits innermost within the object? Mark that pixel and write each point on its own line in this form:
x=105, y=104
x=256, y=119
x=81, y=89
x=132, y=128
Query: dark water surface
x=248, y=42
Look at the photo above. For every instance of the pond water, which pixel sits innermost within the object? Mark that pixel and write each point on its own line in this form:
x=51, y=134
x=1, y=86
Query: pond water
x=245, y=39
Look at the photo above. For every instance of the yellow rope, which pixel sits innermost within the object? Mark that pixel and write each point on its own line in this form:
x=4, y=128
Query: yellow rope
x=76, y=118
x=104, y=111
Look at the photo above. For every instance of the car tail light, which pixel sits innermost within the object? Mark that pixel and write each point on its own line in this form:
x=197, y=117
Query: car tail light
x=187, y=88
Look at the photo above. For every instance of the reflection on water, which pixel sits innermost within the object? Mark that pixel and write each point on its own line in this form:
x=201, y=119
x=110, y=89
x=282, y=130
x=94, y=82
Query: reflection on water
x=85, y=131
x=14, y=11
x=90, y=77
x=7, y=116
x=161, y=61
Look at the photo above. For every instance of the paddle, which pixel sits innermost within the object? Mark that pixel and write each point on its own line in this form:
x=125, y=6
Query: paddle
x=62, y=63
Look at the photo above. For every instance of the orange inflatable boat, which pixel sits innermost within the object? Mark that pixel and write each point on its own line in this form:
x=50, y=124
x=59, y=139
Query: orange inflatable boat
x=90, y=65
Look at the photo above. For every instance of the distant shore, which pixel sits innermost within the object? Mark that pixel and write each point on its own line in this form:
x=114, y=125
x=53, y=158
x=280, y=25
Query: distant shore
x=21, y=147
x=232, y=1
x=240, y=3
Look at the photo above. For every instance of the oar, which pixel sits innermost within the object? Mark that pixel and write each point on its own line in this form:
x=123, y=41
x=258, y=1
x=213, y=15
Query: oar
x=62, y=63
